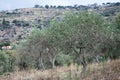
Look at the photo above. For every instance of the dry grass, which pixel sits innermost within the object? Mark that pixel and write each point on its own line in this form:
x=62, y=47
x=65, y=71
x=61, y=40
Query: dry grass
x=51, y=74
x=103, y=71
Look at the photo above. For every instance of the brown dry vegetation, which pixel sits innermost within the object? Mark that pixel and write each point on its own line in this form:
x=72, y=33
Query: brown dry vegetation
x=104, y=71
x=99, y=71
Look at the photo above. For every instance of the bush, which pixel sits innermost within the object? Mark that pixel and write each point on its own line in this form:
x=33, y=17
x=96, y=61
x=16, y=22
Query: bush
x=3, y=62
x=7, y=62
x=20, y=23
x=64, y=59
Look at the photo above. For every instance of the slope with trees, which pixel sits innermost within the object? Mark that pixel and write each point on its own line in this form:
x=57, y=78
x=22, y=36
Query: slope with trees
x=86, y=37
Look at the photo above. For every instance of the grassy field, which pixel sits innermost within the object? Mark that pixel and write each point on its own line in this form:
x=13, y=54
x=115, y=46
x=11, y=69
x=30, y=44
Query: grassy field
x=109, y=70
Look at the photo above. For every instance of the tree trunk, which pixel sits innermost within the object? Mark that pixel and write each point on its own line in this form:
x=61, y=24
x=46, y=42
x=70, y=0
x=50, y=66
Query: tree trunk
x=52, y=56
x=83, y=63
x=41, y=64
x=53, y=63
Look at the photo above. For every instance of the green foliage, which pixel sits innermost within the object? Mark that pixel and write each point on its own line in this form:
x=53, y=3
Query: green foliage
x=7, y=62
x=5, y=24
x=4, y=43
x=46, y=6
x=20, y=23
x=85, y=28
x=117, y=21
x=64, y=59
x=3, y=62
x=83, y=36
x=115, y=49
x=36, y=6
x=33, y=50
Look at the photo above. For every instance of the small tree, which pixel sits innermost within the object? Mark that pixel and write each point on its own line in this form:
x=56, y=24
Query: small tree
x=36, y=6
x=7, y=62
x=5, y=24
x=46, y=6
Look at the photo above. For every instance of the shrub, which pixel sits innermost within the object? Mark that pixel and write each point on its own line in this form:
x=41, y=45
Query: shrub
x=64, y=59
x=7, y=62
x=20, y=23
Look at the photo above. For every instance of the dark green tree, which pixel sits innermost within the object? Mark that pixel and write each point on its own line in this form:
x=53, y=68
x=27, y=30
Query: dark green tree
x=5, y=24
x=82, y=34
x=46, y=6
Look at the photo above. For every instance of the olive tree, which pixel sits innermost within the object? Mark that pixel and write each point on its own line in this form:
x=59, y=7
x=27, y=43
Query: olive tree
x=81, y=33
x=38, y=50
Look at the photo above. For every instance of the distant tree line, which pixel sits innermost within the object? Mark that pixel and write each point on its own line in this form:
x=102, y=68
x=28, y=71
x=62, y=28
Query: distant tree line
x=62, y=7
x=78, y=7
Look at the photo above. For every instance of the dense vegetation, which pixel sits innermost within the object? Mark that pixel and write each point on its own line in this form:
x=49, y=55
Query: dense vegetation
x=80, y=39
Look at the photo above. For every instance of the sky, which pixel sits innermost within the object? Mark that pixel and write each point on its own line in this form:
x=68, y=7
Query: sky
x=13, y=4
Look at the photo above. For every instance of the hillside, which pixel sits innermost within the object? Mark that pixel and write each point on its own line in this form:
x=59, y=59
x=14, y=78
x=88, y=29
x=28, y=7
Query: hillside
x=20, y=22
x=17, y=24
